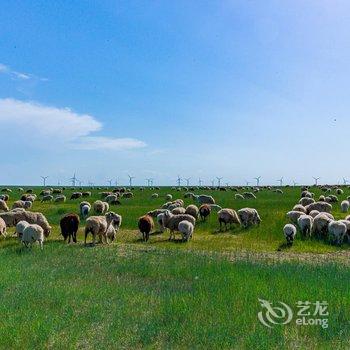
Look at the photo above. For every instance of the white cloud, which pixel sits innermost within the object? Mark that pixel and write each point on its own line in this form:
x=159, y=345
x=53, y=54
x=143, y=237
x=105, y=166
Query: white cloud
x=18, y=75
x=58, y=125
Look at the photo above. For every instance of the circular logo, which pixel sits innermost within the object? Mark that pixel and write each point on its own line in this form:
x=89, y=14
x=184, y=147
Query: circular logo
x=273, y=315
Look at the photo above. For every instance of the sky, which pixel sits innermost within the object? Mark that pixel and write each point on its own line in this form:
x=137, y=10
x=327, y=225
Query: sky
x=157, y=89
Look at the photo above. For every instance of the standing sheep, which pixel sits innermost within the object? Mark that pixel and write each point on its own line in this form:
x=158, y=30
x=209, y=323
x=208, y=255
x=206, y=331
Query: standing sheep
x=3, y=205
x=345, y=206
x=33, y=233
x=145, y=225
x=186, y=228
x=228, y=216
x=69, y=225
x=192, y=210
x=204, y=211
x=100, y=207
x=305, y=223
x=171, y=221
x=336, y=232
x=289, y=232
x=249, y=217
x=2, y=228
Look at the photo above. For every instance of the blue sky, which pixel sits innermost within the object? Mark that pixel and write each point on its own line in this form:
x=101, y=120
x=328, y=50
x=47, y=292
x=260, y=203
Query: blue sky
x=157, y=88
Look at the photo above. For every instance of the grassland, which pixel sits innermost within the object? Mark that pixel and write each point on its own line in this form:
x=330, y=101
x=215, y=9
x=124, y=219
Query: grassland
x=169, y=295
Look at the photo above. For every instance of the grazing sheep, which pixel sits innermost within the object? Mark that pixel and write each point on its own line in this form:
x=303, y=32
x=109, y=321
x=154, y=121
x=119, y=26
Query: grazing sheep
x=76, y=195
x=112, y=199
x=98, y=225
x=320, y=226
x=289, y=232
x=156, y=212
x=332, y=198
x=186, y=228
x=299, y=207
x=171, y=221
x=100, y=207
x=84, y=209
x=293, y=216
x=168, y=197
x=306, y=194
x=47, y=198
x=3, y=205
x=306, y=201
x=204, y=211
x=4, y=197
x=278, y=190
x=160, y=222
x=320, y=206
x=155, y=195
x=86, y=194
x=249, y=195
x=215, y=207
x=60, y=198
x=314, y=213
x=22, y=204
x=128, y=195
x=345, y=206
x=321, y=198
x=249, y=217
x=2, y=227
x=69, y=225
x=28, y=197
x=178, y=210
x=31, y=234
x=238, y=196
x=145, y=226
x=192, y=210
x=305, y=223
x=336, y=232
x=339, y=191
x=204, y=199
x=228, y=216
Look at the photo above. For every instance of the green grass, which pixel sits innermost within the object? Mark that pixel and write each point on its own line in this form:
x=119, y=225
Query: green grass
x=165, y=294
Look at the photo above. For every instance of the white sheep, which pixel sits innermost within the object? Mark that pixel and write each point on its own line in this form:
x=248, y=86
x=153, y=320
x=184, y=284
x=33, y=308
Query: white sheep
x=169, y=197
x=320, y=226
x=299, y=207
x=186, y=228
x=160, y=221
x=294, y=216
x=314, y=213
x=249, y=217
x=336, y=232
x=345, y=206
x=20, y=228
x=2, y=227
x=306, y=201
x=290, y=232
x=305, y=223
x=31, y=234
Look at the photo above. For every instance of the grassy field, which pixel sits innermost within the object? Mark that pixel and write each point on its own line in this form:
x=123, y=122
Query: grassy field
x=164, y=294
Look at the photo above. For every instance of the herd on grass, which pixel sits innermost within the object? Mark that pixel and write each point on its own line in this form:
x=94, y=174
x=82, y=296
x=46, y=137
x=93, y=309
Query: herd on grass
x=309, y=217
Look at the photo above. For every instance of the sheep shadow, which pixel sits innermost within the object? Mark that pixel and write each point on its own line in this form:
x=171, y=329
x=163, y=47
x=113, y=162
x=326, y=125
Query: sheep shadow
x=284, y=246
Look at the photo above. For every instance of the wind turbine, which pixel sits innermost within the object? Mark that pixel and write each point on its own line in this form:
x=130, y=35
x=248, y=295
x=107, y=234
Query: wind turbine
x=247, y=182
x=149, y=181
x=316, y=180
x=345, y=181
x=188, y=181
x=110, y=183
x=74, y=180
x=294, y=183
x=179, y=180
x=212, y=183
x=130, y=180
x=80, y=183
x=200, y=182
x=280, y=181
x=44, y=179
x=116, y=182
x=257, y=180
x=219, y=180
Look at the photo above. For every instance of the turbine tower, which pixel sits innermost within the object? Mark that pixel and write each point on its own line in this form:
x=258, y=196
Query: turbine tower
x=316, y=180
x=188, y=181
x=110, y=182
x=200, y=182
x=149, y=181
x=345, y=181
x=179, y=180
x=294, y=183
x=257, y=180
x=280, y=181
x=212, y=183
x=130, y=180
x=44, y=179
x=219, y=180
x=247, y=182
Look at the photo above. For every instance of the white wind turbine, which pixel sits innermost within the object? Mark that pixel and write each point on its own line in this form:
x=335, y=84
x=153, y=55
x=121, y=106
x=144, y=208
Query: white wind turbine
x=280, y=181
x=316, y=180
x=130, y=180
x=257, y=180
x=44, y=179
x=219, y=180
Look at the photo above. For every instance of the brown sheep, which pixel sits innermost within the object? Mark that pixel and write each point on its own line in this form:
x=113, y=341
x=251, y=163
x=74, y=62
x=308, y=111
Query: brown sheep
x=145, y=225
x=69, y=227
x=204, y=211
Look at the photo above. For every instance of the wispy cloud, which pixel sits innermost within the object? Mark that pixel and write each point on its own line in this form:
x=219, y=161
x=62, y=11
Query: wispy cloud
x=4, y=69
x=51, y=125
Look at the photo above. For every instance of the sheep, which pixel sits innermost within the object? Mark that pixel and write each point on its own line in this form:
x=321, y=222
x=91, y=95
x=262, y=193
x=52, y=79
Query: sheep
x=100, y=207
x=249, y=195
x=128, y=195
x=33, y=233
x=228, y=216
x=290, y=232
x=249, y=217
x=156, y=212
x=345, y=206
x=112, y=199
x=76, y=195
x=171, y=221
x=314, y=213
x=47, y=198
x=305, y=223
x=69, y=225
x=22, y=204
x=169, y=197
x=294, y=216
x=238, y=196
x=332, y=198
x=215, y=207
x=3, y=206
x=188, y=195
x=192, y=210
x=155, y=195
x=57, y=191
x=306, y=201
x=84, y=209
x=321, y=198
x=336, y=232
x=5, y=197
x=204, y=199
x=60, y=198
x=278, y=190
x=320, y=206
x=320, y=226
x=299, y=207
x=178, y=210
x=306, y=194
x=186, y=228
x=347, y=224
x=204, y=211
x=145, y=225
x=2, y=227
x=86, y=194
x=160, y=222
x=28, y=197
x=339, y=191
x=98, y=225
x=20, y=228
